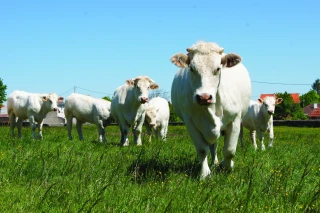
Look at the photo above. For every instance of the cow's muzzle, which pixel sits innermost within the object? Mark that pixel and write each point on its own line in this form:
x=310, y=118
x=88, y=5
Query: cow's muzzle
x=56, y=109
x=270, y=112
x=143, y=100
x=204, y=99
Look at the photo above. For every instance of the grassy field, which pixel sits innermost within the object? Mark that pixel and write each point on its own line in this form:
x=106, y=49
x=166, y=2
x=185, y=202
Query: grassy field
x=57, y=175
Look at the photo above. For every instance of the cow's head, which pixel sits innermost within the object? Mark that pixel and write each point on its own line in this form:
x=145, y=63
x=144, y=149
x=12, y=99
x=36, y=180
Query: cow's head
x=141, y=86
x=151, y=116
x=205, y=61
x=269, y=103
x=51, y=101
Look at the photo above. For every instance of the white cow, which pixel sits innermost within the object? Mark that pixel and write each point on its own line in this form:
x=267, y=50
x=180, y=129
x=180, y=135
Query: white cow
x=128, y=106
x=157, y=117
x=87, y=109
x=259, y=118
x=32, y=106
x=211, y=94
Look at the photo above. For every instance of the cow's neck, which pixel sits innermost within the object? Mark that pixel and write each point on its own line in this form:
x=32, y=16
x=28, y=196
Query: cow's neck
x=264, y=116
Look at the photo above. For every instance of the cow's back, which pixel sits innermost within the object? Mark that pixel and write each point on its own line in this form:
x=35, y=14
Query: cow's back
x=181, y=94
x=234, y=92
x=162, y=105
x=18, y=104
x=251, y=118
x=124, y=104
x=85, y=108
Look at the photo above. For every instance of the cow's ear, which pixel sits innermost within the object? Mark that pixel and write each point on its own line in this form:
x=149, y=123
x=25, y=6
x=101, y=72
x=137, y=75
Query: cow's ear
x=44, y=98
x=180, y=60
x=279, y=100
x=130, y=82
x=260, y=100
x=230, y=60
x=154, y=86
x=60, y=98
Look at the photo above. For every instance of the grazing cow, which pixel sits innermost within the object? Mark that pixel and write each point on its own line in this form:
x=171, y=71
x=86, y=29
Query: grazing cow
x=211, y=94
x=259, y=119
x=128, y=106
x=87, y=109
x=23, y=105
x=157, y=117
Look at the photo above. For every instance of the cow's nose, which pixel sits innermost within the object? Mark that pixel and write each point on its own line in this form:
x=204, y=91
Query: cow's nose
x=204, y=99
x=55, y=109
x=143, y=100
x=270, y=112
x=152, y=124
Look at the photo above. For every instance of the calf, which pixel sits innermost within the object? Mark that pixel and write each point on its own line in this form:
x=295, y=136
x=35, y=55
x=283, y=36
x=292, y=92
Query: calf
x=128, y=106
x=24, y=105
x=259, y=119
x=87, y=109
x=157, y=117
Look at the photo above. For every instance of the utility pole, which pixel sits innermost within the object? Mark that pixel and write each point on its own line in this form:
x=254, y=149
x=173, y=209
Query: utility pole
x=74, y=89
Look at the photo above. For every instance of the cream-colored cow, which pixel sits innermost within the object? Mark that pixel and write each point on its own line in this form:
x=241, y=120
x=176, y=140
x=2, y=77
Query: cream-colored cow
x=211, y=94
x=259, y=118
x=128, y=106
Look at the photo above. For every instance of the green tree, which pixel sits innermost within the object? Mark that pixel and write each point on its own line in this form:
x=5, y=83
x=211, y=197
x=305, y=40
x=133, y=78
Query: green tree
x=316, y=86
x=287, y=109
x=3, y=93
x=173, y=116
x=108, y=98
x=309, y=98
x=159, y=93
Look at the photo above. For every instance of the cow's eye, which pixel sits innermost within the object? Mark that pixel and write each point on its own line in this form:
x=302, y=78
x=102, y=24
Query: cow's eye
x=217, y=71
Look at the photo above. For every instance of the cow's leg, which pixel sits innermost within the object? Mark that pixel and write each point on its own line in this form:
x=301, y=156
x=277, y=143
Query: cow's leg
x=40, y=124
x=241, y=135
x=230, y=143
x=214, y=156
x=124, y=128
x=79, y=129
x=12, y=119
x=201, y=146
x=69, y=126
x=19, y=127
x=253, y=138
x=163, y=133
x=137, y=135
x=271, y=136
x=32, y=126
x=102, y=137
x=149, y=131
x=261, y=136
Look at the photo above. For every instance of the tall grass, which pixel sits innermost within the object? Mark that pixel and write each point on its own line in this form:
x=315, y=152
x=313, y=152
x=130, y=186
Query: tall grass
x=57, y=175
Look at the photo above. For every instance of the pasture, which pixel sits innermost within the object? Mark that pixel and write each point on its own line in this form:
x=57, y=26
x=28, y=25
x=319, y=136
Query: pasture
x=57, y=175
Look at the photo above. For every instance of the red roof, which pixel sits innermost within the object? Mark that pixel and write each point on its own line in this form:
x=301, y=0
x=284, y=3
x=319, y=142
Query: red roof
x=315, y=113
x=294, y=96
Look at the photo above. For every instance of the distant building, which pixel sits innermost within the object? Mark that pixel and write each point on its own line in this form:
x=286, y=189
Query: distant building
x=312, y=111
x=295, y=97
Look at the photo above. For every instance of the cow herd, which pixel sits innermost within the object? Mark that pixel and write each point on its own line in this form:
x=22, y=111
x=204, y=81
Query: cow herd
x=210, y=93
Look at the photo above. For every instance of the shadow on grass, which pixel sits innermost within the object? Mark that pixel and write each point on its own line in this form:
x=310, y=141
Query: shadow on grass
x=158, y=171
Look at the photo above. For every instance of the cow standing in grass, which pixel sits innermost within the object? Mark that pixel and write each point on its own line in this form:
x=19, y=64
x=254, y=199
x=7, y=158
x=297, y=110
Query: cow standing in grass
x=157, y=118
x=87, y=109
x=211, y=94
x=23, y=105
x=128, y=106
x=259, y=118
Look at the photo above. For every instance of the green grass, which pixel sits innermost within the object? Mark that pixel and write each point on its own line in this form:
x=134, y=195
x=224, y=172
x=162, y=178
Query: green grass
x=57, y=175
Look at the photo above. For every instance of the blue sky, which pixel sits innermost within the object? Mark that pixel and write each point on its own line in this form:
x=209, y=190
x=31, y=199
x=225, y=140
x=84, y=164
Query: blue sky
x=52, y=46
